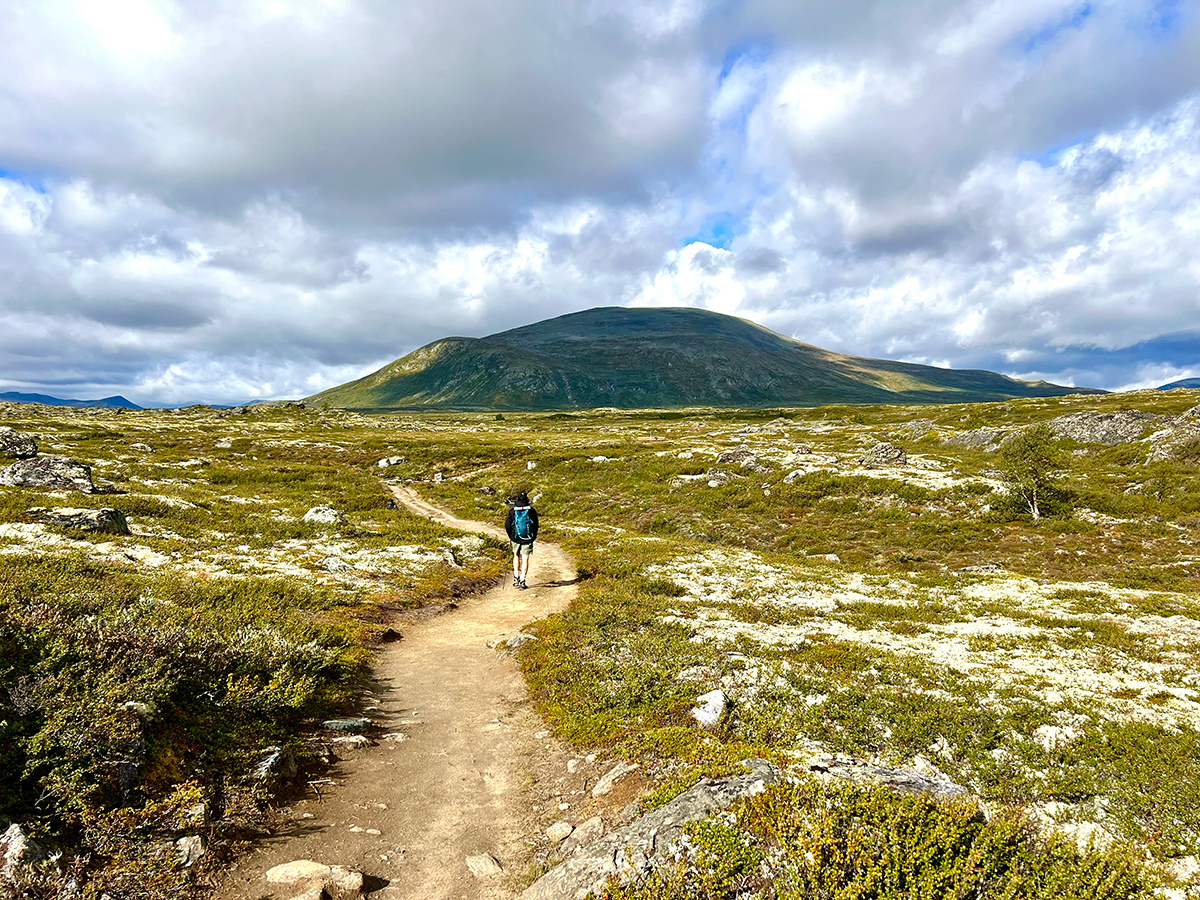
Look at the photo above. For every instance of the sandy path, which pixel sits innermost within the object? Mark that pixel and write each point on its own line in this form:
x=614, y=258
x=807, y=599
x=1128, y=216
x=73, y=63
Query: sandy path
x=452, y=789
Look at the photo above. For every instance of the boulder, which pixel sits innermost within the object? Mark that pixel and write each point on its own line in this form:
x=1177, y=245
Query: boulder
x=739, y=456
x=15, y=445
x=559, y=831
x=710, y=707
x=1119, y=427
x=105, y=520
x=335, y=565
x=299, y=870
x=324, y=515
x=632, y=851
x=49, y=472
x=587, y=831
x=388, y=461
x=883, y=455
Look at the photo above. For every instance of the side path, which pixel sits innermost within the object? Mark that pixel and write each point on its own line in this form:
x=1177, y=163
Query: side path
x=412, y=811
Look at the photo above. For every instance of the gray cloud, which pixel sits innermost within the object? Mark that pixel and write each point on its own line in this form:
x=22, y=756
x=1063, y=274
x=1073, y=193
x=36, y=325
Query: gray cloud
x=217, y=201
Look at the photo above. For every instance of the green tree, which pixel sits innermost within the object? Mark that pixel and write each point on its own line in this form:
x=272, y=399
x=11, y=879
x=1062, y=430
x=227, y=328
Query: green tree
x=1031, y=465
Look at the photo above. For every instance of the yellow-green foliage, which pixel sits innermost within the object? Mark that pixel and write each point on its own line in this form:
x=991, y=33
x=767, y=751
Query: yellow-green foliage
x=816, y=842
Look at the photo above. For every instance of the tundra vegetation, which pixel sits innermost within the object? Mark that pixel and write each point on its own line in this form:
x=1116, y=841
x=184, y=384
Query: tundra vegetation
x=922, y=614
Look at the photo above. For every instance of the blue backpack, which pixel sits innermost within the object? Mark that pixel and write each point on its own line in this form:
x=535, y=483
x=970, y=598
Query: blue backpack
x=521, y=523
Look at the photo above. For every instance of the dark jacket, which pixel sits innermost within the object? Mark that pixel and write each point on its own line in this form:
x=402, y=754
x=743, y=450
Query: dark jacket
x=533, y=525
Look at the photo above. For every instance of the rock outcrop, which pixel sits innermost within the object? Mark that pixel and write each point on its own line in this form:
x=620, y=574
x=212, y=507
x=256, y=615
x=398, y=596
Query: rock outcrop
x=906, y=781
x=884, y=455
x=105, y=520
x=16, y=445
x=49, y=472
x=986, y=439
x=1119, y=427
x=17, y=850
x=631, y=851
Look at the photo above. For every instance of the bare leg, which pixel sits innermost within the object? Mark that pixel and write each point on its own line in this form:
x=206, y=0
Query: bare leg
x=525, y=565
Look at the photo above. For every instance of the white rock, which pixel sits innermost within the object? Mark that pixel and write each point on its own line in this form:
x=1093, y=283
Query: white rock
x=559, y=831
x=484, y=866
x=352, y=741
x=609, y=780
x=324, y=515
x=531, y=465
x=346, y=879
x=572, y=765
x=710, y=707
x=189, y=850
x=390, y=461
x=223, y=445
x=299, y=870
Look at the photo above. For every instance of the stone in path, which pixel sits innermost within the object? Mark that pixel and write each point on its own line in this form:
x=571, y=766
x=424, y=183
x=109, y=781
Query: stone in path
x=484, y=865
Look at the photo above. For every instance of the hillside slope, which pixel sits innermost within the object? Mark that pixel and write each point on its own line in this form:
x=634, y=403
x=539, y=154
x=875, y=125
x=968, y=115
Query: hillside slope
x=654, y=358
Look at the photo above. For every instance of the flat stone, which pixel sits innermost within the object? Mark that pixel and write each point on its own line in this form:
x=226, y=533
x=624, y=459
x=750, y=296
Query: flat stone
x=356, y=724
x=610, y=778
x=484, y=866
x=345, y=879
x=559, y=831
x=299, y=870
x=352, y=741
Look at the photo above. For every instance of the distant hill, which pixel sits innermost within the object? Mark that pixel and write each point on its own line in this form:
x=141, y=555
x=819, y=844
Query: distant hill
x=656, y=358
x=1182, y=383
x=106, y=403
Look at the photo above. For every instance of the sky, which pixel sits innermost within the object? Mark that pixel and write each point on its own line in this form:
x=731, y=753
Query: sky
x=220, y=201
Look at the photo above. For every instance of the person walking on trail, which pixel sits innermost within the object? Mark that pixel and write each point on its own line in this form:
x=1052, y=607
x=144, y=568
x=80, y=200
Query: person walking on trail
x=522, y=527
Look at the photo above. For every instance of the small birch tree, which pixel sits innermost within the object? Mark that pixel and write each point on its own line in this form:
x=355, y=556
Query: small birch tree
x=1031, y=463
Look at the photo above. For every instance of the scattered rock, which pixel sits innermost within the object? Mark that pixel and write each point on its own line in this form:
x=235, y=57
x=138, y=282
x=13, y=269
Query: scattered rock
x=108, y=521
x=16, y=445
x=906, y=781
x=484, y=866
x=632, y=851
x=194, y=463
x=17, y=850
x=197, y=815
x=1105, y=427
x=223, y=445
x=710, y=707
x=189, y=850
x=335, y=565
x=559, y=831
x=395, y=737
x=49, y=472
x=324, y=515
x=355, y=724
x=984, y=569
x=531, y=465
x=346, y=880
x=716, y=477
x=488, y=491
x=986, y=439
x=883, y=455
x=572, y=766
x=739, y=456
x=389, y=461
x=609, y=780
x=145, y=448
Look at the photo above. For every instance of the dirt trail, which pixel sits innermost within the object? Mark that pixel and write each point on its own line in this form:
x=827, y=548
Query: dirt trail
x=455, y=786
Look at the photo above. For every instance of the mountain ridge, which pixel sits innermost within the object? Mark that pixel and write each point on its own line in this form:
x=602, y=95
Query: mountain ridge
x=656, y=358
x=113, y=402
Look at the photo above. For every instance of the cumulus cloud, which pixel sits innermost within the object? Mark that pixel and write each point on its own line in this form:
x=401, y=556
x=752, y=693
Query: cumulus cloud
x=224, y=200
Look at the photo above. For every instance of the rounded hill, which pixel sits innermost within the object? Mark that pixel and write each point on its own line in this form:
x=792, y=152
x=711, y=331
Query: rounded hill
x=655, y=358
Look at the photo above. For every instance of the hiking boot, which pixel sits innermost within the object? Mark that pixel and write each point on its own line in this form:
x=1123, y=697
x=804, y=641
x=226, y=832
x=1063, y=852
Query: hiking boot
x=516, y=581
x=522, y=585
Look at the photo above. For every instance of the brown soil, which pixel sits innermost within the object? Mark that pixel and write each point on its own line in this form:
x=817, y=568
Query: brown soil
x=477, y=773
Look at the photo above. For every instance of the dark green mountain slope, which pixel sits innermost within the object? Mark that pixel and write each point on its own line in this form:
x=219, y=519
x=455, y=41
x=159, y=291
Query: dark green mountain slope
x=643, y=358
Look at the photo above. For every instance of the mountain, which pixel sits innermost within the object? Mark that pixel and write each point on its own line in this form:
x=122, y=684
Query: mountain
x=656, y=358
x=106, y=403
x=1182, y=383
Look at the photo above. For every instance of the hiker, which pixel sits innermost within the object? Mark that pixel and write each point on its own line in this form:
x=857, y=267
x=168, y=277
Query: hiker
x=522, y=527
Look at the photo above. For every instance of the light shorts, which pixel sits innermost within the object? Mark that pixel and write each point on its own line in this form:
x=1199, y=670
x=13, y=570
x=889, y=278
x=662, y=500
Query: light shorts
x=522, y=549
